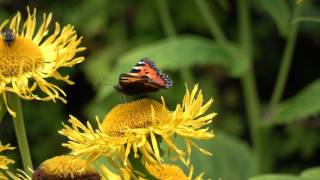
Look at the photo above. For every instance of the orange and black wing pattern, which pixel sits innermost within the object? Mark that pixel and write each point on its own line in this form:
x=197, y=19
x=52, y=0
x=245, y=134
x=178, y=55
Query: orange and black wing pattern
x=143, y=78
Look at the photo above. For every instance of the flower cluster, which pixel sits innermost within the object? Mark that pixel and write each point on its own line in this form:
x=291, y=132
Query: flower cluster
x=33, y=56
x=134, y=131
x=133, y=137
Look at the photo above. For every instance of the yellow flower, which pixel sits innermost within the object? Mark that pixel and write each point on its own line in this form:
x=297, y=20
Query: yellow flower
x=124, y=174
x=4, y=161
x=19, y=175
x=29, y=56
x=167, y=172
x=139, y=127
x=161, y=172
x=65, y=167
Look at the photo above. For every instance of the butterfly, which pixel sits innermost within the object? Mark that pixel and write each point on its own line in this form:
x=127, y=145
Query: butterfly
x=143, y=78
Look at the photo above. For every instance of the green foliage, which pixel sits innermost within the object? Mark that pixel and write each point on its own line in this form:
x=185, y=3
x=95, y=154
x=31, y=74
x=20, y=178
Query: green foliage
x=295, y=134
x=119, y=33
x=173, y=53
x=307, y=19
x=280, y=13
x=275, y=177
x=37, y=118
x=313, y=173
x=302, y=106
x=98, y=67
x=179, y=52
x=232, y=158
x=309, y=174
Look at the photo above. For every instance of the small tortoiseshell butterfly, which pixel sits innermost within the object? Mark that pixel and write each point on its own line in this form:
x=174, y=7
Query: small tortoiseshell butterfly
x=143, y=78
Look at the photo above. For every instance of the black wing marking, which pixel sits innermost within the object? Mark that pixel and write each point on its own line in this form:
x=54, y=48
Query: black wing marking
x=133, y=85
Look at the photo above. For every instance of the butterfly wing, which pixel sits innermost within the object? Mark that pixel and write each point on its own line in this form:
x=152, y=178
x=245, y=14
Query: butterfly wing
x=144, y=77
x=132, y=85
x=146, y=68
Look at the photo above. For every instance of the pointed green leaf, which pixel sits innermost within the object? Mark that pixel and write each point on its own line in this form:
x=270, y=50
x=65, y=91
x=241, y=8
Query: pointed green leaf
x=275, y=177
x=309, y=174
x=303, y=105
x=185, y=51
x=232, y=158
x=312, y=174
x=307, y=19
x=280, y=13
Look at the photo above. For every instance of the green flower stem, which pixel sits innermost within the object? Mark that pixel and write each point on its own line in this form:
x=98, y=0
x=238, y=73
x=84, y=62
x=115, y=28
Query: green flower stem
x=285, y=61
x=211, y=21
x=165, y=17
x=18, y=121
x=306, y=19
x=187, y=77
x=258, y=134
x=3, y=110
x=170, y=31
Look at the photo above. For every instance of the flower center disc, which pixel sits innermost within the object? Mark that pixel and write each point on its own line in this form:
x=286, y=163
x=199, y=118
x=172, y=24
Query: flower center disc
x=19, y=57
x=65, y=168
x=136, y=114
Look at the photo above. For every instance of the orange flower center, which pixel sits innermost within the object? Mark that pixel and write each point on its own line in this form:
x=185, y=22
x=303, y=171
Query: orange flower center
x=19, y=57
x=136, y=114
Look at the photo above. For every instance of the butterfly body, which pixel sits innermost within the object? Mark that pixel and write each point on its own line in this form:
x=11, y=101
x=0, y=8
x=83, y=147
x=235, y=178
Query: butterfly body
x=143, y=78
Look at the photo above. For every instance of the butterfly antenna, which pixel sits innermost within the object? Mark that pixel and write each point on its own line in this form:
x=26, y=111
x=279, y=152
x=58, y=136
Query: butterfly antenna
x=101, y=83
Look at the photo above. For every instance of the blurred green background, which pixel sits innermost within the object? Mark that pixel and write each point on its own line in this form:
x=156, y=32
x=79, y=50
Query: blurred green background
x=184, y=42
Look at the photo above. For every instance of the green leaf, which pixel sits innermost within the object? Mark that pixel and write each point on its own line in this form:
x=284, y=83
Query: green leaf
x=42, y=128
x=183, y=52
x=232, y=159
x=97, y=66
x=307, y=19
x=303, y=105
x=280, y=13
x=97, y=70
x=275, y=177
x=313, y=173
x=294, y=135
x=309, y=174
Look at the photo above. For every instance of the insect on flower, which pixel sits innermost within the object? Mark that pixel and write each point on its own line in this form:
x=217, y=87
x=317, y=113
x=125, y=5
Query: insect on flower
x=143, y=78
x=31, y=54
x=8, y=36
